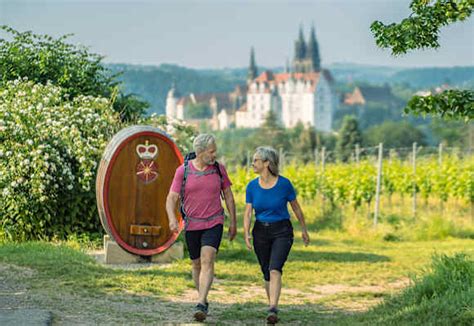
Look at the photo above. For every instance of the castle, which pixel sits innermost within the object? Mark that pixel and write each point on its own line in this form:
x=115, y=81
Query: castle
x=303, y=93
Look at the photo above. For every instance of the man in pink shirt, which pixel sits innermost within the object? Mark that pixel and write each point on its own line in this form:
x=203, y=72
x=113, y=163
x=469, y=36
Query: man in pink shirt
x=204, y=213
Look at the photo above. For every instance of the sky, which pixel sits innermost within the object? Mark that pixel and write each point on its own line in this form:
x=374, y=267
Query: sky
x=220, y=33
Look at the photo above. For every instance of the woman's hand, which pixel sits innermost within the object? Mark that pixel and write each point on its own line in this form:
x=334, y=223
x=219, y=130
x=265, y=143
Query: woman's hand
x=305, y=236
x=247, y=242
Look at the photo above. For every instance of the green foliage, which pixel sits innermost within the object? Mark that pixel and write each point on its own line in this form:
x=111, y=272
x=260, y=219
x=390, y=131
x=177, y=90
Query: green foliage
x=50, y=148
x=234, y=145
x=198, y=111
x=349, y=136
x=452, y=133
x=130, y=107
x=182, y=134
x=450, y=104
x=394, y=134
x=303, y=142
x=421, y=29
x=272, y=133
x=442, y=296
x=354, y=184
x=43, y=59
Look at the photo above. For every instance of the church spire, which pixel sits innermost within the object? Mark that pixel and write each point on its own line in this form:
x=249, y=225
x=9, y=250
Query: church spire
x=313, y=51
x=252, y=73
x=300, y=46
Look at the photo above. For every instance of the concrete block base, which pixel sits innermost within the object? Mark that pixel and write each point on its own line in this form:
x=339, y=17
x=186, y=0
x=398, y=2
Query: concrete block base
x=114, y=254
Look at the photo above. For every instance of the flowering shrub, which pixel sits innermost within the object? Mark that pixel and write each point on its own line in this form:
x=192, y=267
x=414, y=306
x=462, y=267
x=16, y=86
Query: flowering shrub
x=182, y=133
x=49, y=151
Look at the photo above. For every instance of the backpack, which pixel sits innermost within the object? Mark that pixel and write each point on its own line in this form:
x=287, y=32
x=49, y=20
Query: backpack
x=187, y=158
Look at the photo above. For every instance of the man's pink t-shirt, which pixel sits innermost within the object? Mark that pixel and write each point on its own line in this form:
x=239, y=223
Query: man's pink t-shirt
x=201, y=195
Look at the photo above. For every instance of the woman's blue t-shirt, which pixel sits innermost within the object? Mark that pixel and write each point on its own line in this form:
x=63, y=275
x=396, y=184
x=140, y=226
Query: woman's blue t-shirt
x=270, y=204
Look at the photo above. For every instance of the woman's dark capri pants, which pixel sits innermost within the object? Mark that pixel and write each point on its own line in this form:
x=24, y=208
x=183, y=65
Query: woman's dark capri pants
x=272, y=243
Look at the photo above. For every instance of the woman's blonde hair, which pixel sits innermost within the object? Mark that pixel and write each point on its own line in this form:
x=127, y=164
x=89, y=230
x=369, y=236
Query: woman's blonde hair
x=267, y=153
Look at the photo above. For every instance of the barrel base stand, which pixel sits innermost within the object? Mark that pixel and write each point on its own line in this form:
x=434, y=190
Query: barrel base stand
x=114, y=254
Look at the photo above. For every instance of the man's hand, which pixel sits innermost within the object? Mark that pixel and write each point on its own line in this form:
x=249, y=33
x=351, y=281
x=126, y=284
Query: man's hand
x=247, y=242
x=173, y=224
x=232, y=231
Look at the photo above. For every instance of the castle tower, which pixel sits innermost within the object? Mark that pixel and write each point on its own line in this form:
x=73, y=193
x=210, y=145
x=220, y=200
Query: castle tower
x=300, y=53
x=253, y=72
x=312, y=54
x=172, y=102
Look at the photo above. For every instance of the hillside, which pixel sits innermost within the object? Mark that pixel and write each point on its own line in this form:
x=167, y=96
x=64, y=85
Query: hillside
x=152, y=83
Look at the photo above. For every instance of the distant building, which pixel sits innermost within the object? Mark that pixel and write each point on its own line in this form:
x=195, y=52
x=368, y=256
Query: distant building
x=435, y=90
x=363, y=94
x=305, y=93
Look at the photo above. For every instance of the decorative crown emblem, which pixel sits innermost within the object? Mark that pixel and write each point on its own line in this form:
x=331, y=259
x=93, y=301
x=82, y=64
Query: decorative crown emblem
x=147, y=152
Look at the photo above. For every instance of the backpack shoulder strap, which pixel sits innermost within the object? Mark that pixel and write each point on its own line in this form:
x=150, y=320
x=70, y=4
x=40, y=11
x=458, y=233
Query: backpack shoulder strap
x=187, y=158
x=216, y=165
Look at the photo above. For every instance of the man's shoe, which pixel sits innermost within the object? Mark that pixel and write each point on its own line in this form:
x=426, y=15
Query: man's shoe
x=200, y=312
x=272, y=316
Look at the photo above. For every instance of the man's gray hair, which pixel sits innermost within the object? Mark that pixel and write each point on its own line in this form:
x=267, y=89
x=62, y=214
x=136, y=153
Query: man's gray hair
x=266, y=153
x=202, y=142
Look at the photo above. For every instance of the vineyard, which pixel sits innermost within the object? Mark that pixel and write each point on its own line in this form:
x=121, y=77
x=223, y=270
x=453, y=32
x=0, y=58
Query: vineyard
x=355, y=184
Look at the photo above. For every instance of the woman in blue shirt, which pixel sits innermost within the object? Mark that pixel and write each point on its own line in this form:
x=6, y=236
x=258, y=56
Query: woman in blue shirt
x=268, y=195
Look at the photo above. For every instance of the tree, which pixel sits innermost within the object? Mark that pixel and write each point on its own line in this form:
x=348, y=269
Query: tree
x=349, y=136
x=198, y=111
x=302, y=141
x=272, y=133
x=394, y=135
x=418, y=31
x=43, y=59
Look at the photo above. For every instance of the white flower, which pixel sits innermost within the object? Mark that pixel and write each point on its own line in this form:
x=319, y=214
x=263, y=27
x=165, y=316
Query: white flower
x=69, y=187
x=29, y=142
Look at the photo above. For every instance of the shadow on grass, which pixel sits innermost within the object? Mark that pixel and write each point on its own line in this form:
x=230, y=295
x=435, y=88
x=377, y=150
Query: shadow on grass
x=339, y=257
x=307, y=256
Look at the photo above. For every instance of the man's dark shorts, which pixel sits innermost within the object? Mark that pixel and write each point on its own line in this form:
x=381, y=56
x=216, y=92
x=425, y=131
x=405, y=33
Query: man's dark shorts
x=200, y=238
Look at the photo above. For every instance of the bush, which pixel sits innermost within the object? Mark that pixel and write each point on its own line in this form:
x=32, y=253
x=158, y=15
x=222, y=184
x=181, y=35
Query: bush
x=44, y=59
x=181, y=133
x=50, y=147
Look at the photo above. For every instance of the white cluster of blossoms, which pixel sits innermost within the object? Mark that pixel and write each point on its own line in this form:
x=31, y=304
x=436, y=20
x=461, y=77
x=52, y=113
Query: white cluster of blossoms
x=49, y=151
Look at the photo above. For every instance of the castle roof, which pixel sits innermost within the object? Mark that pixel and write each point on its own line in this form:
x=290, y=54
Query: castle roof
x=268, y=78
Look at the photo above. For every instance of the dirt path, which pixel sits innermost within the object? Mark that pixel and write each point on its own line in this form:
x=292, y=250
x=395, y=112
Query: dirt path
x=68, y=308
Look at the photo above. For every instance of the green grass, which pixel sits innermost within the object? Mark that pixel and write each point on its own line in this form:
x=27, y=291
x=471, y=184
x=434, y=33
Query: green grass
x=443, y=295
x=65, y=280
x=352, y=273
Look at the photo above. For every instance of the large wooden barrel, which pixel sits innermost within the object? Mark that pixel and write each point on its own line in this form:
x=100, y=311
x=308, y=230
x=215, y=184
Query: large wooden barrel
x=133, y=181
